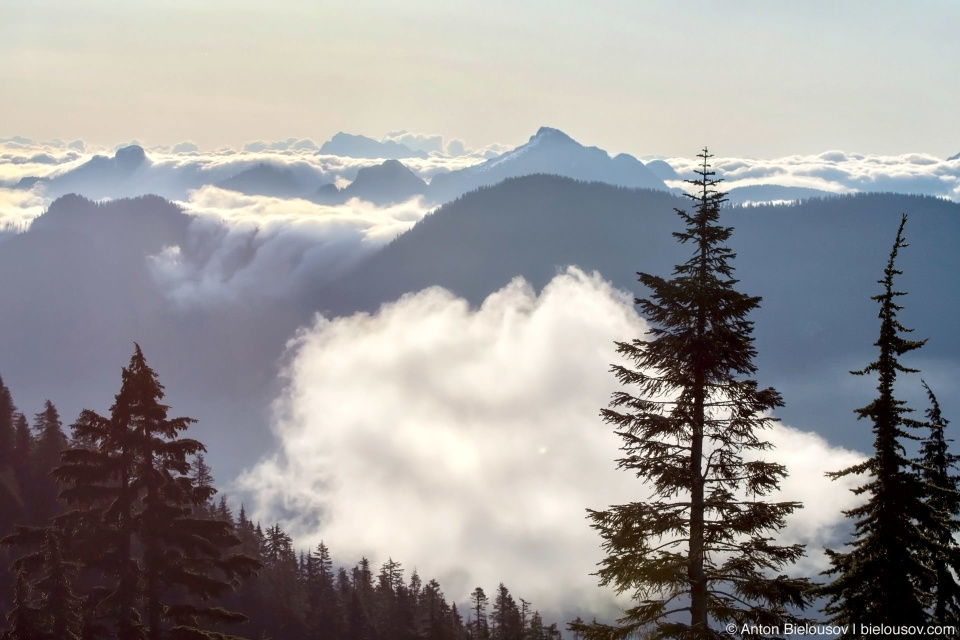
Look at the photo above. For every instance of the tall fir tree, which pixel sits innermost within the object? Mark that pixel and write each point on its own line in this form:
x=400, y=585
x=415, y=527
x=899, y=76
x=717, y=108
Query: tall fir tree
x=884, y=577
x=938, y=466
x=50, y=443
x=478, y=606
x=699, y=553
x=134, y=519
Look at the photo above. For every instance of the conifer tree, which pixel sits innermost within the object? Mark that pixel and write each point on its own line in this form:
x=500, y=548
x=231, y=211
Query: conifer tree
x=884, y=576
x=60, y=608
x=23, y=447
x=10, y=499
x=134, y=523
x=699, y=553
x=23, y=620
x=50, y=442
x=479, y=608
x=505, y=618
x=943, y=496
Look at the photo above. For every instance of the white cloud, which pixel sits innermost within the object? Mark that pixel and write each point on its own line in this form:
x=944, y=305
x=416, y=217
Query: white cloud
x=466, y=442
x=18, y=208
x=838, y=172
x=242, y=246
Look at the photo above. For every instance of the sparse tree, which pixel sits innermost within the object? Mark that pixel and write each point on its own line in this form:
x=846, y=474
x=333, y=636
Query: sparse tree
x=943, y=486
x=884, y=576
x=700, y=552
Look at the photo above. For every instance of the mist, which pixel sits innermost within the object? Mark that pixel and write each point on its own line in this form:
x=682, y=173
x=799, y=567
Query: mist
x=466, y=442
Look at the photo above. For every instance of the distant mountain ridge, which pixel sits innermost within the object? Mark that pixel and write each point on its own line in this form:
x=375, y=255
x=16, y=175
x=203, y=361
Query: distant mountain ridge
x=549, y=151
x=387, y=183
x=356, y=146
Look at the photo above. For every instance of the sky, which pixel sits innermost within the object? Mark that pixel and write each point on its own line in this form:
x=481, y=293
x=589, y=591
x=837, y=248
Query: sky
x=756, y=79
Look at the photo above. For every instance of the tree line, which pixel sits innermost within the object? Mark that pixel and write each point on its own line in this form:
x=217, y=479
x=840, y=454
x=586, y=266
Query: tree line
x=114, y=532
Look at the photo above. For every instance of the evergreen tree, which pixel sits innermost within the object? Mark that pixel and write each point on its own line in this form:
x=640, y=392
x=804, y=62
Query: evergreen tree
x=884, y=576
x=50, y=442
x=479, y=608
x=943, y=497
x=60, y=609
x=701, y=546
x=8, y=489
x=505, y=616
x=23, y=446
x=134, y=523
x=23, y=620
x=323, y=604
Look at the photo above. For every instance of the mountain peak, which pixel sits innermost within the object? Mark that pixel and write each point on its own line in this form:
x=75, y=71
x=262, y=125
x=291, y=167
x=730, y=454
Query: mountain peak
x=549, y=133
x=130, y=157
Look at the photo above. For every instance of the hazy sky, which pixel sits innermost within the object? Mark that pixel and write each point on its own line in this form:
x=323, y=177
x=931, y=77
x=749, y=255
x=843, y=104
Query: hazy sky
x=748, y=78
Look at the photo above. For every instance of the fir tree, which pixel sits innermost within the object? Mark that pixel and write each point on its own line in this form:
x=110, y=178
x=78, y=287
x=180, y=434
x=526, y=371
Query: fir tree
x=60, y=608
x=943, y=487
x=479, y=608
x=23, y=447
x=505, y=616
x=700, y=548
x=23, y=620
x=884, y=577
x=50, y=442
x=134, y=521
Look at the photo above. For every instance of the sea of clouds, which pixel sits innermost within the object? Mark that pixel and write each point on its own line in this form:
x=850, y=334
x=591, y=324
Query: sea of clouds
x=837, y=172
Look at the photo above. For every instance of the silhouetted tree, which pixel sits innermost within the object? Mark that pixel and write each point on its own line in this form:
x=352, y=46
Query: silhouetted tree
x=505, y=616
x=134, y=520
x=479, y=602
x=885, y=577
x=943, y=487
x=60, y=608
x=23, y=620
x=50, y=442
x=702, y=543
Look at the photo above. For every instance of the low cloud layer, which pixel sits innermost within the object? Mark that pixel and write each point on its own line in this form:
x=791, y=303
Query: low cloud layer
x=253, y=247
x=838, y=172
x=466, y=442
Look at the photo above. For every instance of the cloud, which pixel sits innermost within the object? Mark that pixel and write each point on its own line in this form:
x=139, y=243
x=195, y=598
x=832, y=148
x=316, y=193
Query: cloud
x=185, y=147
x=18, y=208
x=426, y=142
x=466, y=442
x=838, y=172
x=241, y=246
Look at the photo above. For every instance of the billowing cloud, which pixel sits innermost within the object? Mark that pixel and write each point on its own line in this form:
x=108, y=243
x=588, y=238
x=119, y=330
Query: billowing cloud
x=466, y=442
x=18, y=208
x=243, y=246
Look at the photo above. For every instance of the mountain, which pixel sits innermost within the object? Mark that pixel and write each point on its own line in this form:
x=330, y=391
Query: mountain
x=662, y=170
x=549, y=151
x=954, y=157
x=353, y=146
x=382, y=184
x=267, y=180
x=814, y=263
x=766, y=193
x=102, y=176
